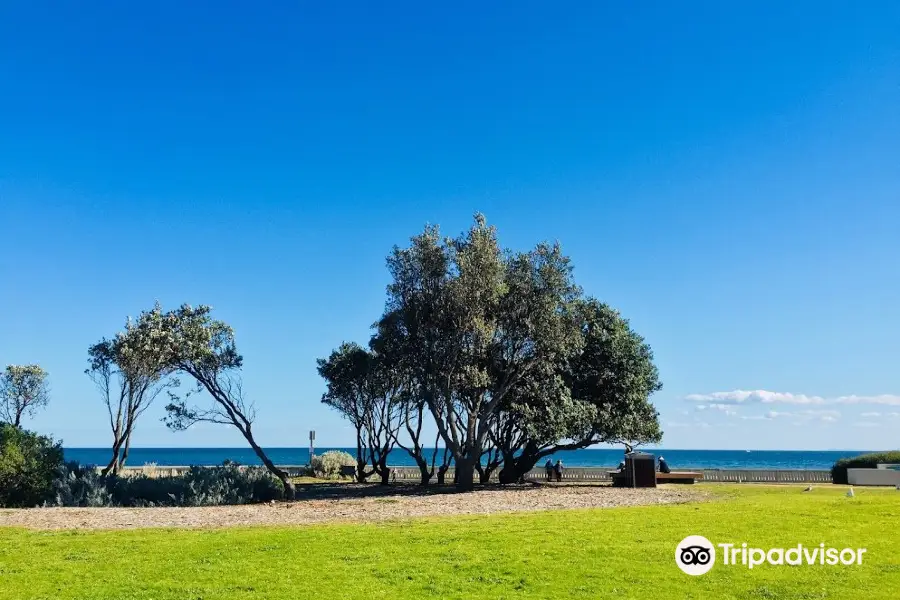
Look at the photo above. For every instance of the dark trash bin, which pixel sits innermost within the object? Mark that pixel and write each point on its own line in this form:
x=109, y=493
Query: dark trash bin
x=639, y=472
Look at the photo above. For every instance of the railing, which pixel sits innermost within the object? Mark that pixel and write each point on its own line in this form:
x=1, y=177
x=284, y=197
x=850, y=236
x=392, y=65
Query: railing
x=767, y=475
x=572, y=474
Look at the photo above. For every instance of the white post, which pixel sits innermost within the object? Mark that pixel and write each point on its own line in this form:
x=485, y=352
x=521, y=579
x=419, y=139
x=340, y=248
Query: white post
x=312, y=446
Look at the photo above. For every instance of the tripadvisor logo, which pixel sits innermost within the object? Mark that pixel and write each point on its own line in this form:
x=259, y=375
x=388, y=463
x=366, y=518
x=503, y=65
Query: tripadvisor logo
x=696, y=555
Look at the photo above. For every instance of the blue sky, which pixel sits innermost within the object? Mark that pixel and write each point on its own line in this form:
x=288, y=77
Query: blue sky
x=727, y=176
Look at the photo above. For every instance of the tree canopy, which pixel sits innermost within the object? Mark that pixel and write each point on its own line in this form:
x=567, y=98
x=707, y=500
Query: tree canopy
x=23, y=390
x=509, y=357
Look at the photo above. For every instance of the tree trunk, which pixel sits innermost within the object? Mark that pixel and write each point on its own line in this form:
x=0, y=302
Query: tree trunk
x=484, y=476
x=125, y=451
x=385, y=473
x=361, y=460
x=280, y=474
x=515, y=468
x=465, y=474
x=114, y=460
x=442, y=474
x=361, y=471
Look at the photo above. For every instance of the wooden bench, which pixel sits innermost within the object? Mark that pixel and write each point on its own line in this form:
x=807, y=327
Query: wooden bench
x=673, y=477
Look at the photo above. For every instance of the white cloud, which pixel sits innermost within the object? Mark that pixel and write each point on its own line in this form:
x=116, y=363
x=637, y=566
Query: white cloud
x=823, y=415
x=766, y=397
x=678, y=424
x=755, y=397
x=728, y=409
x=866, y=424
x=883, y=399
x=870, y=414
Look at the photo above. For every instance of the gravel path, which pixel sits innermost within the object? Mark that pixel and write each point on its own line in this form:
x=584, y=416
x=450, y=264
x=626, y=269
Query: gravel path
x=350, y=503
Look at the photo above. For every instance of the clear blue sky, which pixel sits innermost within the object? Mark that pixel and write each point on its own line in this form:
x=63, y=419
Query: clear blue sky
x=726, y=174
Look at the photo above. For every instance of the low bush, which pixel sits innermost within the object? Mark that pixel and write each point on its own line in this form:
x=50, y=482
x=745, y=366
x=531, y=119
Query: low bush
x=863, y=461
x=199, y=486
x=328, y=464
x=28, y=465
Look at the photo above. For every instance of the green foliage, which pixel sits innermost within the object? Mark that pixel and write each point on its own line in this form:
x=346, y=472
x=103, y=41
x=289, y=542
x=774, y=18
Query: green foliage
x=328, y=464
x=509, y=356
x=23, y=389
x=199, y=486
x=28, y=464
x=77, y=485
x=599, y=554
x=130, y=371
x=863, y=461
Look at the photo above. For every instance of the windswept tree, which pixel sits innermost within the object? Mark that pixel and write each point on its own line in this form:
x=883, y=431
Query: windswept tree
x=368, y=395
x=205, y=349
x=23, y=390
x=600, y=394
x=130, y=372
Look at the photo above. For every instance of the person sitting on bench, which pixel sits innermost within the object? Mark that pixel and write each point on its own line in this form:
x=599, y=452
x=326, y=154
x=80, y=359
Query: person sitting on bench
x=664, y=466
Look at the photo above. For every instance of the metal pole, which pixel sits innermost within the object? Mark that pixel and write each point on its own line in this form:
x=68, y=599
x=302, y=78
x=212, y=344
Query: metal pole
x=312, y=446
x=633, y=480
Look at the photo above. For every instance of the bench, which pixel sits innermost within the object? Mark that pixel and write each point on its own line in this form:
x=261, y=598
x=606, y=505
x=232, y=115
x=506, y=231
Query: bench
x=673, y=477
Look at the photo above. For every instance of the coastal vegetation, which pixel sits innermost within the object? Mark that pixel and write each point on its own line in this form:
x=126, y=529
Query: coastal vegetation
x=594, y=553
x=328, y=464
x=500, y=352
x=79, y=486
x=29, y=464
x=863, y=461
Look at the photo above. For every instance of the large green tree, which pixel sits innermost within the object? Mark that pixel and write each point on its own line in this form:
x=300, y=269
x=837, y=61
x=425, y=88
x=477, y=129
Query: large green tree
x=23, y=390
x=470, y=322
x=599, y=394
x=505, y=354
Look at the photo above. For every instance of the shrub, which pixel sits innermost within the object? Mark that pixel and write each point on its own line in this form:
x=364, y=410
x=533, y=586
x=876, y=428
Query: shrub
x=199, y=486
x=77, y=485
x=28, y=465
x=863, y=461
x=328, y=465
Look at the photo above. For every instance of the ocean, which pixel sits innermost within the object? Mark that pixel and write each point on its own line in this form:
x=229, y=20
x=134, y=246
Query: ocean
x=601, y=457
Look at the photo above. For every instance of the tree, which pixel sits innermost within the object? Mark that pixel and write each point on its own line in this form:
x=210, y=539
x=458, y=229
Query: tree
x=601, y=394
x=369, y=395
x=204, y=348
x=471, y=322
x=345, y=372
x=130, y=372
x=23, y=390
x=413, y=411
x=28, y=465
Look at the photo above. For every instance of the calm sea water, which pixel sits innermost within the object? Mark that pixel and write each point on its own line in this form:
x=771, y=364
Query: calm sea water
x=709, y=459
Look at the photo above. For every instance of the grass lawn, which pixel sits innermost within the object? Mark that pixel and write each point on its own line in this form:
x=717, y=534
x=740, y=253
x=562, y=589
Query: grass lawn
x=601, y=553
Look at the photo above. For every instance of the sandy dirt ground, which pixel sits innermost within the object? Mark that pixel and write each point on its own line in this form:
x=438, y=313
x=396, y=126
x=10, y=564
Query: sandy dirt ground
x=324, y=503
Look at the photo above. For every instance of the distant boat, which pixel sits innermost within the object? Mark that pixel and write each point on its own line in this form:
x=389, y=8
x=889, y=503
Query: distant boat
x=748, y=451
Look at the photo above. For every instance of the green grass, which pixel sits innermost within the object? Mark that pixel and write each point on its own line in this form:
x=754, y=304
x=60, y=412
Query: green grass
x=611, y=553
